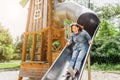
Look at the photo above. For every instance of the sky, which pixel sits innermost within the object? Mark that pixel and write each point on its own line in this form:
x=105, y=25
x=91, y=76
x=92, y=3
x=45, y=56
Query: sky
x=14, y=17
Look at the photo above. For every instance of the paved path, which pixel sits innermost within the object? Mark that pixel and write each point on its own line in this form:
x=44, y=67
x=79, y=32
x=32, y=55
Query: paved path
x=102, y=75
x=96, y=75
x=9, y=75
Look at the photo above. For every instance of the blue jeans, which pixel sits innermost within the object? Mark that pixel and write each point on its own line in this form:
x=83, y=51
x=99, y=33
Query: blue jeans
x=77, y=58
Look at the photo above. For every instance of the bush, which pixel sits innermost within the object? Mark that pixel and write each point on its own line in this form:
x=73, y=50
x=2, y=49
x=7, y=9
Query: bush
x=6, y=53
x=16, y=56
x=106, y=50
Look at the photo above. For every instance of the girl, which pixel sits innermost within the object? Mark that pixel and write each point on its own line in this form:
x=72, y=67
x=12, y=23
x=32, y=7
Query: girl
x=82, y=40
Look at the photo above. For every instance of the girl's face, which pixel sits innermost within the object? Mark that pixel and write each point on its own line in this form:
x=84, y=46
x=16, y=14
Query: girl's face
x=75, y=29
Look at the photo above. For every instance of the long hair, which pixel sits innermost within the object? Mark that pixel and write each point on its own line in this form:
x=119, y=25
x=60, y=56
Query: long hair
x=77, y=25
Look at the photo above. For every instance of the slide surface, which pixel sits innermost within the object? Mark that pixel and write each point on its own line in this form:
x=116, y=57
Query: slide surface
x=58, y=69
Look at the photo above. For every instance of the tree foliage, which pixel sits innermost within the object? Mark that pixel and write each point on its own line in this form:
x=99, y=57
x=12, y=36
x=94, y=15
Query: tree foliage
x=23, y=3
x=106, y=47
x=106, y=29
x=6, y=46
x=18, y=44
x=106, y=50
x=108, y=11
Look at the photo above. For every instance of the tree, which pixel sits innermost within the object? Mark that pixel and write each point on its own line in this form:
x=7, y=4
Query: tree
x=106, y=30
x=106, y=45
x=18, y=44
x=6, y=46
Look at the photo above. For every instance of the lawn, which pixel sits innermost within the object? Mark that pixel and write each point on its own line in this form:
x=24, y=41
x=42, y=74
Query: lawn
x=13, y=64
x=106, y=67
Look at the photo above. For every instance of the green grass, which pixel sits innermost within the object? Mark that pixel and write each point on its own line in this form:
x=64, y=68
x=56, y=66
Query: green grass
x=14, y=64
x=106, y=67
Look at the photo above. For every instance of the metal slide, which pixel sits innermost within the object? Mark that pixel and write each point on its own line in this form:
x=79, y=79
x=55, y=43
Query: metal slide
x=59, y=67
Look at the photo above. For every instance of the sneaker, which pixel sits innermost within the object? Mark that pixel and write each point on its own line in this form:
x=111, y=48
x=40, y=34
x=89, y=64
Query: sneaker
x=71, y=71
x=76, y=72
x=68, y=75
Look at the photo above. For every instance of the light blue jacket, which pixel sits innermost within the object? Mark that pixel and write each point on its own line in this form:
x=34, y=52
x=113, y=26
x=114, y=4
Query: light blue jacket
x=81, y=40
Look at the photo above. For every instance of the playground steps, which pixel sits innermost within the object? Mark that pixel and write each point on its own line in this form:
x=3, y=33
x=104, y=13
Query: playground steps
x=33, y=69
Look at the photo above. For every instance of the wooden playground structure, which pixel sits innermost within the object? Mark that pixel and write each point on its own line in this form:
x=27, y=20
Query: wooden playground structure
x=43, y=30
x=40, y=24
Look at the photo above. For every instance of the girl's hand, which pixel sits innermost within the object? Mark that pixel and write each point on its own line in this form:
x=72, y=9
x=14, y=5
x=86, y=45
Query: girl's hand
x=67, y=44
x=90, y=42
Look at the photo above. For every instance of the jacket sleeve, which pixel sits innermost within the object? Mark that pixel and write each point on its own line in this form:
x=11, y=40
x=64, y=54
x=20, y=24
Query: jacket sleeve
x=87, y=36
x=71, y=39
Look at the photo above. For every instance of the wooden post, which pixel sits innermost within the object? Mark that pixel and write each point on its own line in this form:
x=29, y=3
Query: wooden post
x=42, y=56
x=89, y=68
x=62, y=38
x=33, y=47
x=24, y=47
x=49, y=53
x=25, y=35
